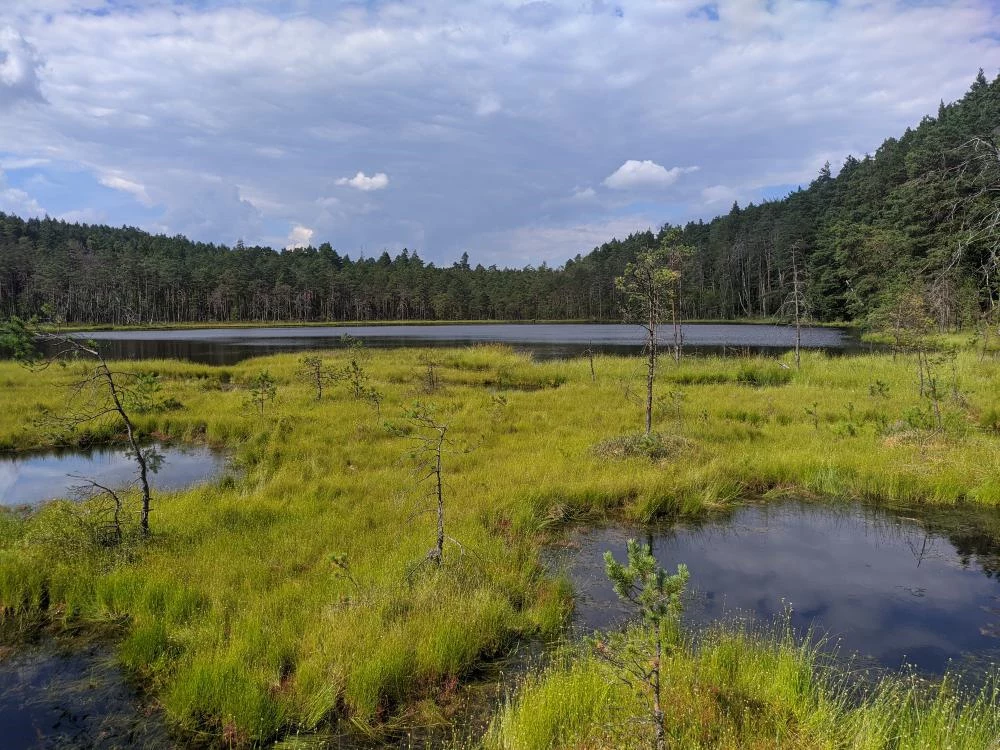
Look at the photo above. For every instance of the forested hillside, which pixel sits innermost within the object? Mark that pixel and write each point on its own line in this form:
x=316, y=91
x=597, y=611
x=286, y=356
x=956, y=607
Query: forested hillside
x=922, y=212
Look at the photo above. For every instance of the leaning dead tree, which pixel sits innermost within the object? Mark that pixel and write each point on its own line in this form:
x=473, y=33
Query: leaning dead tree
x=99, y=393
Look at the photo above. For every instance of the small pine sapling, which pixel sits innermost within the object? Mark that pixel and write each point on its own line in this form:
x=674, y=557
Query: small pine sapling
x=636, y=655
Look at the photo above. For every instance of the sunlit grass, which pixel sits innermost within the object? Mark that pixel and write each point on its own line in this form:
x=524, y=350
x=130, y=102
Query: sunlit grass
x=742, y=686
x=238, y=621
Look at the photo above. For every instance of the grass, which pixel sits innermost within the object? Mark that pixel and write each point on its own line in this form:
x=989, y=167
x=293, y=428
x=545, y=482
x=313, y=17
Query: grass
x=235, y=616
x=742, y=686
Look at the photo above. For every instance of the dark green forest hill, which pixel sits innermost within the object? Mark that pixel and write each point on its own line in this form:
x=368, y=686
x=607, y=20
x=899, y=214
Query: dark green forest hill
x=920, y=213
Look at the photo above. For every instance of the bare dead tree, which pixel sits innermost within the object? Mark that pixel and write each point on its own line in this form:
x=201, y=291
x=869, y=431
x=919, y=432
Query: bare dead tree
x=677, y=256
x=589, y=351
x=430, y=439
x=100, y=393
x=796, y=303
x=89, y=489
x=979, y=208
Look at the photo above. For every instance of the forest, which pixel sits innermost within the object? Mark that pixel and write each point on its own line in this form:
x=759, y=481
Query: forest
x=921, y=213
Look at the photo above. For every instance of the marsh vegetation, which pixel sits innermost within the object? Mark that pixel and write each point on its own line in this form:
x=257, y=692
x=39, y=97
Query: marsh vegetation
x=290, y=598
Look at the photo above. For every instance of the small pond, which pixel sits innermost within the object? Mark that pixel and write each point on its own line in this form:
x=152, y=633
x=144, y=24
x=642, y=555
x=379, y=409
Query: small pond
x=226, y=346
x=886, y=587
x=32, y=478
x=52, y=699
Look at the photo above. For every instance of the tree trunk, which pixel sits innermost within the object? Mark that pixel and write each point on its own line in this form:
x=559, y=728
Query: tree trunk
x=133, y=442
x=650, y=373
x=661, y=737
x=440, y=500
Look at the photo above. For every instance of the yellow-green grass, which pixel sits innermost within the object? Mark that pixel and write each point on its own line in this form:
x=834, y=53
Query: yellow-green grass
x=743, y=687
x=237, y=621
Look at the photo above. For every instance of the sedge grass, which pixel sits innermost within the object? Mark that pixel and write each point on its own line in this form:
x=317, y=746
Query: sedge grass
x=744, y=686
x=233, y=614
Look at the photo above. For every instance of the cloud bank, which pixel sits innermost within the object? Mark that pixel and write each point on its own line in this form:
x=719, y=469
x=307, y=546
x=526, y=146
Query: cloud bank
x=509, y=129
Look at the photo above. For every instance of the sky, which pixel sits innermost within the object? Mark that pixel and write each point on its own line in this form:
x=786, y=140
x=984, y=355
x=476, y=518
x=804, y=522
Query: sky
x=519, y=132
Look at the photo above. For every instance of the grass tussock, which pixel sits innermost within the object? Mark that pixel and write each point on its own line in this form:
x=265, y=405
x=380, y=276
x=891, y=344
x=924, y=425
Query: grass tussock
x=742, y=687
x=238, y=614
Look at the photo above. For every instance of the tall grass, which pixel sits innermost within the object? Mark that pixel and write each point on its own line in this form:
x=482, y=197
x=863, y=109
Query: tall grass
x=741, y=686
x=236, y=618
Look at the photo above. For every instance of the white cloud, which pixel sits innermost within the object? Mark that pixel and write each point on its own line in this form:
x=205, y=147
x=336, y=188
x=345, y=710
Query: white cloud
x=554, y=243
x=16, y=201
x=143, y=94
x=117, y=182
x=363, y=182
x=300, y=236
x=488, y=105
x=84, y=216
x=634, y=175
x=19, y=66
x=10, y=164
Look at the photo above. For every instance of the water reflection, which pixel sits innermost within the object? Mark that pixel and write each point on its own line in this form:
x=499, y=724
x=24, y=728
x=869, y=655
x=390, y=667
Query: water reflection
x=223, y=346
x=28, y=479
x=50, y=699
x=891, y=589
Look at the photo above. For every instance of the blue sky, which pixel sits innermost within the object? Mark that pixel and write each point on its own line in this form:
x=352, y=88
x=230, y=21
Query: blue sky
x=520, y=132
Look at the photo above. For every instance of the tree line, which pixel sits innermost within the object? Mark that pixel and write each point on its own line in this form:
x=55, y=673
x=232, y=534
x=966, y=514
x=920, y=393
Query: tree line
x=921, y=212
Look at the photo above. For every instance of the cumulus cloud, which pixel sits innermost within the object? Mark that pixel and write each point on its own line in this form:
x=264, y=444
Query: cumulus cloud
x=634, y=175
x=19, y=66
x=361, y=181
x=300, y=236
x=16, y=201
x=118, y=182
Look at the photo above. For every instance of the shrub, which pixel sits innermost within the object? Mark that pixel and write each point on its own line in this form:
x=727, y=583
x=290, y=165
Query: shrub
x=654, y=446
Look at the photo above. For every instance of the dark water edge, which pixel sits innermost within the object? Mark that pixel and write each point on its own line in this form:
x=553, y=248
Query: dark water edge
x=30, y=478
x=544, y=341
x=890, y=589
x=884, y=587
x=66, y=693
x=52, y=697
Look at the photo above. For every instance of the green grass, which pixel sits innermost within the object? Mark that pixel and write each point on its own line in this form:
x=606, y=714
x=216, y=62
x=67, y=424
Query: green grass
x=743, y=687
x=235, y=618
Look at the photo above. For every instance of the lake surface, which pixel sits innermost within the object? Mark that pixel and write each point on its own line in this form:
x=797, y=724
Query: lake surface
x=224, y=346
x=50, y=699
x=888, y=588
x=31, y=478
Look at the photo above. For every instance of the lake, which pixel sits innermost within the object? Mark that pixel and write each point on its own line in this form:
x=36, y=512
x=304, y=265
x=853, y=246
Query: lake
x=32, y=478
x=890, y=588
x=226, y=346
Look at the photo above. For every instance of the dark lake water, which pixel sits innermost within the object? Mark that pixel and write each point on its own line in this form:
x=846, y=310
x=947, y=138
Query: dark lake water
x=890, y=589
x=31, y=478
x=223, y=346
x=50, y=699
